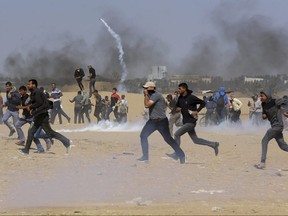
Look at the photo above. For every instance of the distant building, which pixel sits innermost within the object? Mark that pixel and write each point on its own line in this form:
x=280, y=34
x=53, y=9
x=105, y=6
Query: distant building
x=158, y=73
x=252, y=79
x=188, y=78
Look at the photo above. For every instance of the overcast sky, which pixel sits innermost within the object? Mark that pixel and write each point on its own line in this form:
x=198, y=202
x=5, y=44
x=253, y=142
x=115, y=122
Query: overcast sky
x=32, y=24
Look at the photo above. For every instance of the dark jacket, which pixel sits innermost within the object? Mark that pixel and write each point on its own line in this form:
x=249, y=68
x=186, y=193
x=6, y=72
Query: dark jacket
x=40, y=103
x=92, y=73
x=25, y=100
x=79, y=74
x=189, y=102
x=272, y=111
x=13, y=101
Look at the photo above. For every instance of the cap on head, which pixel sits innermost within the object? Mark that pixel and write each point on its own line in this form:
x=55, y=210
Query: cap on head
x=149, y=84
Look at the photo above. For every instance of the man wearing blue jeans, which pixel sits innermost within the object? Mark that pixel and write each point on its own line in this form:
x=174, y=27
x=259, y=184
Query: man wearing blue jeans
x=39, y=109
x=27, y=118
x=187, y=104
x=13, y=100
x=157, y=121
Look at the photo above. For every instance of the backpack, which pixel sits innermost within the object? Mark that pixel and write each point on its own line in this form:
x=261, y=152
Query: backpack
x=122, y=107
x=221, y=101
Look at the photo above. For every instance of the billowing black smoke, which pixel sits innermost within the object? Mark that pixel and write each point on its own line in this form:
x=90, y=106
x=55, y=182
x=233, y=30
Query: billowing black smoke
x=247, y=44
x=141, y=53
x=46, y=65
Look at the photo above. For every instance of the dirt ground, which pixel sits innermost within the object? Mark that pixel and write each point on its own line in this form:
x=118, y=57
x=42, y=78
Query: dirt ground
x=101, y=175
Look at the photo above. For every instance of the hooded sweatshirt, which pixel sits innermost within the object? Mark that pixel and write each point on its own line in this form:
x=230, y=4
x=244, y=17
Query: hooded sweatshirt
x=189, y=102
x=271, y=110
x=221, y=92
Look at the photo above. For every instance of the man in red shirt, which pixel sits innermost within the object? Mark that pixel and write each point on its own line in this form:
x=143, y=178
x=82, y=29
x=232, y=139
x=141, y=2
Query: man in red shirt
x=113, y=108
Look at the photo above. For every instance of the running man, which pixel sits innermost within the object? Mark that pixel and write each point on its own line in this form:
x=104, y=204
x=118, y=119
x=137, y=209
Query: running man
x=157, y=121
x=39, y=110
x=13, y=100
x=272, y=110
x=187, y=104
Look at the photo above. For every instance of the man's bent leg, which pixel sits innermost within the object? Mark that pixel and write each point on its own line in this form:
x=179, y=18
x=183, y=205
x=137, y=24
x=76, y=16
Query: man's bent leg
x=163, y=129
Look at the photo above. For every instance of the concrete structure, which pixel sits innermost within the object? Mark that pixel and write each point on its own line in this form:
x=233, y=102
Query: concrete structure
x=179, y=78
x=158, y=73
x=252, y=79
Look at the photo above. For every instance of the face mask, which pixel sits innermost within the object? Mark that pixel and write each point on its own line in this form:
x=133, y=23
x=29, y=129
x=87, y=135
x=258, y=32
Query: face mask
x=150, y=92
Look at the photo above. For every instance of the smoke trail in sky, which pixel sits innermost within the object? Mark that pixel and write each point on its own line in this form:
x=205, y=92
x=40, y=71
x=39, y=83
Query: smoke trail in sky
x=121, y=86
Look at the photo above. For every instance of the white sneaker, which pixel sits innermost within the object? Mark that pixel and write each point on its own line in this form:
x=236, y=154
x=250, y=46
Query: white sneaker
x=68, y=149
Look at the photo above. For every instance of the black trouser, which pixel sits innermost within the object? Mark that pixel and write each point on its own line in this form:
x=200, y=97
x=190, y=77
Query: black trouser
x=42, y=120
x=97, y=112
x=235, y=115
x=160, y=125
x=81, y=86
x=190, y=129
x=276, y=133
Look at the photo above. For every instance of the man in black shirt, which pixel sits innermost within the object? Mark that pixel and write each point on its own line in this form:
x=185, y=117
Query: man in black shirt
x=27, y=118
x=39, y=110
x=78, y=75
x=92, y=79
x=187, y=104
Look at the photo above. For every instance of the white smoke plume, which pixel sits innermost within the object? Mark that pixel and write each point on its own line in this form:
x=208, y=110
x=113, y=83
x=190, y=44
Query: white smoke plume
x=108, y=126
x=121, y=86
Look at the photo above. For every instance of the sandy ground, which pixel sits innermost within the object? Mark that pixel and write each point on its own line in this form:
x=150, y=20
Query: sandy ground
x=101, y=176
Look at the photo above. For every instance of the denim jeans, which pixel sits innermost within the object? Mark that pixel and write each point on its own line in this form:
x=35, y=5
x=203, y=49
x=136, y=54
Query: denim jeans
x=57, y=109
x=7, y=115
x=276, y=133
x=42, y=120
x=160, y=125
x=190, y=129
x=19, y=124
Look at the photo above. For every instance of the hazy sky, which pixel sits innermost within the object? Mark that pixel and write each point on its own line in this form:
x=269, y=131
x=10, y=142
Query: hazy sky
x=31, y=24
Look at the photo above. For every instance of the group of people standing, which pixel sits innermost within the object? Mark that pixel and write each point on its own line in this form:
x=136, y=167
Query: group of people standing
x=103, y=107
x=221, y=107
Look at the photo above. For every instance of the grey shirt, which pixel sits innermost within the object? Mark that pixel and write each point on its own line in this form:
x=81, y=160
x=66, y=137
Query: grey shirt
x=158, y=109
x=78, y=100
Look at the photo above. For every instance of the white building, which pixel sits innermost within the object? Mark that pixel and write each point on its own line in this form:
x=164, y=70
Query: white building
x=252, y=79
x=158, y=72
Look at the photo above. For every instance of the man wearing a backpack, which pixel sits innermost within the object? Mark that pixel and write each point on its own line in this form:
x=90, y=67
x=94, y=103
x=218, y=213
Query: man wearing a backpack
x=189, y=105
x=221, y=100
x=122, y=109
